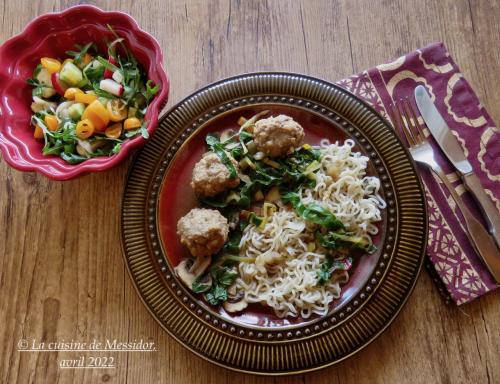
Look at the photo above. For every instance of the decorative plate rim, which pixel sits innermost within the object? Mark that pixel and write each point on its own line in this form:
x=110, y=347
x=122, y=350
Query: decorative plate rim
x=217, y=324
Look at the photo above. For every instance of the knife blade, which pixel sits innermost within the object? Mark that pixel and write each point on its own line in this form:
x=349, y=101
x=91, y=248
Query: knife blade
x=454, y=152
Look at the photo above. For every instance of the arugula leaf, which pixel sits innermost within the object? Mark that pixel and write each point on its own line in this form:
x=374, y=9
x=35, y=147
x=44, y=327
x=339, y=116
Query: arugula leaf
x=79, y=55
x=106, y=64
x=313, y=212
x=144, y=132
x=36, y=71
x=72, y=158
x=92, y=72
x=215, y=146
x=151, y=91
x=117, y=147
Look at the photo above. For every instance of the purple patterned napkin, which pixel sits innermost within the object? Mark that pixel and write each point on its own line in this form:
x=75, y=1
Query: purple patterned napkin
x=449, y=249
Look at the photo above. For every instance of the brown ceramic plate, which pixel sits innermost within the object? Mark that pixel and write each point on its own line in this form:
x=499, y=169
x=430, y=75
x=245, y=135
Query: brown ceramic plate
x=158, y=194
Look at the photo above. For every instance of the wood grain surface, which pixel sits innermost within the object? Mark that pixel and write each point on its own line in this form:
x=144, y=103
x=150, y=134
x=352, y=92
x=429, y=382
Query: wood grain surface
x=62, y=276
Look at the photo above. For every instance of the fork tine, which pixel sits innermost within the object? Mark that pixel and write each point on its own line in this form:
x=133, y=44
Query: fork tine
x=395, y=120
x=409, y=123
x=418, y=127
x=404, y=127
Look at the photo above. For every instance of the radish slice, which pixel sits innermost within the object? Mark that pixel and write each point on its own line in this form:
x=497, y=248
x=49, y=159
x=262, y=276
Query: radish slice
x=108, y=73
x=118, y=76
x=111, y=86
x=57, y=84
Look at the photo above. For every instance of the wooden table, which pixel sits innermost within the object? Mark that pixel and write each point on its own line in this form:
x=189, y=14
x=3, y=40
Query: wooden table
x=62, y=275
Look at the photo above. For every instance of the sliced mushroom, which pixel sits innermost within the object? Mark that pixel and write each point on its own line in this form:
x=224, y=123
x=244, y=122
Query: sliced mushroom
x=188, y=270
x=97, y=144
x=86, y=147
x=235, y=306
x=62, y=110
x=41, y=104
x=200, y=265
x=182, y=270
x=81, y=151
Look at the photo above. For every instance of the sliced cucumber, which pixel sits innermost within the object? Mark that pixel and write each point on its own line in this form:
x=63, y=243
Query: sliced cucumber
x=71, y=74
x=82, y=83
x=76, y=111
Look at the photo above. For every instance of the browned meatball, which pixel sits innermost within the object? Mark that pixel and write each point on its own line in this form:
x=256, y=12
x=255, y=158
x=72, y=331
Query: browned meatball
x=203, y=231
x=278, y=136
x=211, y=176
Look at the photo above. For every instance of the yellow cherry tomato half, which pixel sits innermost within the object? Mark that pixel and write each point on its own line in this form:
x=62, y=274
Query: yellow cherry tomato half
x=38, y=134
x=67, y=61
x=98, y=114
x=85, y=98
x=132, y=123
x=117, y=110
x=51, y=122
x=70, y=93
x=84, y=129
x=50, y=64
x=114, y=131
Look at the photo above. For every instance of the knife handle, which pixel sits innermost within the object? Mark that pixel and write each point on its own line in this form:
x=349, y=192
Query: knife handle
x=478, y=235
x=490, y=212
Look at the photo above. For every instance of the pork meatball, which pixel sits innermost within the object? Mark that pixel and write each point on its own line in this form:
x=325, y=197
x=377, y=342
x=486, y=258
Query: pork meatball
x=203, y=231
x=211, y=176
x=278, y=136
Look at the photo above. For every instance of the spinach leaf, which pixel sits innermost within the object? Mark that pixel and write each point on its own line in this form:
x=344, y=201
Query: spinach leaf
x=324, y=273
x=313, y=212
x=335, y=240
x=216, y=295
x=216, y=202
x=233, y=243
x=215, y=146
x=244, y=135
x=222, y=278
x=331, y=265
x=199, y=286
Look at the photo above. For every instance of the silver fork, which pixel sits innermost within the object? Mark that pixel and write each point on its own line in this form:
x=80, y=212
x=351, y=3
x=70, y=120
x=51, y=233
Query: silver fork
x=405, y=118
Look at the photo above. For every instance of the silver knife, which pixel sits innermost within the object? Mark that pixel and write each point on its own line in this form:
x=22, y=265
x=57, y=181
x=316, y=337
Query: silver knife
x=452, y=149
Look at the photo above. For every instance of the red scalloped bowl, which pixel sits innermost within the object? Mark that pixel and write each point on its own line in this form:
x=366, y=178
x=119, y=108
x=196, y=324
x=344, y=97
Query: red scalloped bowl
x=51, y=35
